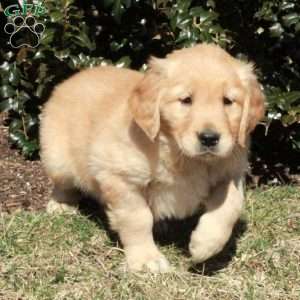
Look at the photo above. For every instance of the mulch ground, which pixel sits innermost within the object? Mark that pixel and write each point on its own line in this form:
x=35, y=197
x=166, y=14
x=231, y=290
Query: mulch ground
x=23, y=183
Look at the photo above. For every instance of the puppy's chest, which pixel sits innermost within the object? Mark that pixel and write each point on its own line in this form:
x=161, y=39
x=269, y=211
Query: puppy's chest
x=177, y=194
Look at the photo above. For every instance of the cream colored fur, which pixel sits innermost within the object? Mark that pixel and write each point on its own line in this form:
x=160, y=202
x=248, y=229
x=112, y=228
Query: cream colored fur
x=128, y=139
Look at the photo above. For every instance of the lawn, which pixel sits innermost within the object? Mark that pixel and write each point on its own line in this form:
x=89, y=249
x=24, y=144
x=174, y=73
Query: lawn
x=76, y=257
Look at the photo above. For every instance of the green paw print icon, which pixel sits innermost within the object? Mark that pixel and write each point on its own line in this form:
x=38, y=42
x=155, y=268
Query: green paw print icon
x=24, y=32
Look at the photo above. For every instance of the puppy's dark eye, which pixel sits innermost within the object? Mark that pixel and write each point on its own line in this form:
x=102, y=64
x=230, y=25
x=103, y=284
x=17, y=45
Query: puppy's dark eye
x=186, y=100
x=227, y=101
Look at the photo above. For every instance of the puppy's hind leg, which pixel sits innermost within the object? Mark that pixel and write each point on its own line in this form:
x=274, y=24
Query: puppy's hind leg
x=63, y=200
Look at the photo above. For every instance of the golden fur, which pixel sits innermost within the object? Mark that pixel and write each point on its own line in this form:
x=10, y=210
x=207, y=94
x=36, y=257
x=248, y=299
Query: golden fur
x=132, y=141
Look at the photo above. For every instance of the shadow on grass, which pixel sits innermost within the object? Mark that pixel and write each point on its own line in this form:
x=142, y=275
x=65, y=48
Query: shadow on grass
x=96, y=213
x=172, y=232
x=178, y=232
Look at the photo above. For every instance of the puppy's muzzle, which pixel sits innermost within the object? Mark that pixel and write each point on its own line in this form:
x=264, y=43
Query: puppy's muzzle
x=208, y=138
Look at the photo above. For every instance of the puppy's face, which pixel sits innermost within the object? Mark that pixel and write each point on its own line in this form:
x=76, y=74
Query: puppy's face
x=203, y=112
x=204, y=98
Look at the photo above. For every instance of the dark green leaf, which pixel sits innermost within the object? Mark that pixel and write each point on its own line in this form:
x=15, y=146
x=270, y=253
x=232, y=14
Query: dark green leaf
x=39, y=91
x=48, y=36
x=84, y=41
x=6, y=105
x=183, y=5
x=15, y=125
x=39, y=55
x=22, y=97
x=7, y=91
x=118, y=10
x=291, y=19
x=17, y=137
x=124, y=62
x=204, y=15
x=14, y=75
x=292, y=97
x=26, y=84
x=56, y=16
x=30, y=147
x=276, y=30
x=9, y=55
x=67, y=3
x=116, y=46
x=287, y=5
x=288, y=119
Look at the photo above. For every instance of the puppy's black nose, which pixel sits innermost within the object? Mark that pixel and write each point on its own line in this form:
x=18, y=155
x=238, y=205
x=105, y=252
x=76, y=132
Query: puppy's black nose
x=209, y=138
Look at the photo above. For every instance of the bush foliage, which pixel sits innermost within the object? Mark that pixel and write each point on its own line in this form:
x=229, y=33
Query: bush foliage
x=80, y=34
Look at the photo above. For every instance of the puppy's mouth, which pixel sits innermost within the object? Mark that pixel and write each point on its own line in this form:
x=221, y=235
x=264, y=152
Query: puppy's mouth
x=211, y=153
x=208, y=150
x=208, y=153
x=203, y=154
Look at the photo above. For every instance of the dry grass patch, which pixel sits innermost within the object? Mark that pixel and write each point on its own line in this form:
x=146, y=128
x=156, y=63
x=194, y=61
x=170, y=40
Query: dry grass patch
x=74, y=257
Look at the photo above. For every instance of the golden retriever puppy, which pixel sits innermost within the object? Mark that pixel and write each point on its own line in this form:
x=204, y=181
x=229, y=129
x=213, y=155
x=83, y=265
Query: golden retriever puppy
x=156, y=145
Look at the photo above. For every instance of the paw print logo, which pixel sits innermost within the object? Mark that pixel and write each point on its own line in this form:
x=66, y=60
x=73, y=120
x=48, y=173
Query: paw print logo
x=24, y=32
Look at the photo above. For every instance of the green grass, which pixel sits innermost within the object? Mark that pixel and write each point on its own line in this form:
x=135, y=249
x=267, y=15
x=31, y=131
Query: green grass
x=73, y=257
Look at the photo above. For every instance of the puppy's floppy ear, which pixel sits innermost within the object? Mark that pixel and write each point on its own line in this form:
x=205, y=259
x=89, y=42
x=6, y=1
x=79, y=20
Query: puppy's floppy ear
x=254, y=103
x=145, y=101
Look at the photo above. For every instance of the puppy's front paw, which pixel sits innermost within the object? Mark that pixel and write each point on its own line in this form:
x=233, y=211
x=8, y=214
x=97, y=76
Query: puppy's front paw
x=204, y=245
x=154, y=262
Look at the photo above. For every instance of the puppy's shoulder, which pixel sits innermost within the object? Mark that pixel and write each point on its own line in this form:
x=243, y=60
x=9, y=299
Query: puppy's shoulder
x=111, y=74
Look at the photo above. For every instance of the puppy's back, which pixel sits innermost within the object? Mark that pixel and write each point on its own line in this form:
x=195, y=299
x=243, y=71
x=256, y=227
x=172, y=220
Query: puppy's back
x=89, y=100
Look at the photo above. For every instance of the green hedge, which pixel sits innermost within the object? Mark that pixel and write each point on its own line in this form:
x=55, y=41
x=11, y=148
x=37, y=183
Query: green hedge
x=80, y=34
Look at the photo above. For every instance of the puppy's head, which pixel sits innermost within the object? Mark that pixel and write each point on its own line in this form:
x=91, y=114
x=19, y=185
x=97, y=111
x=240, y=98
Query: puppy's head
x=202, y=97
